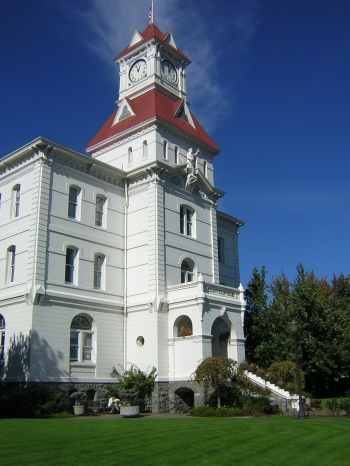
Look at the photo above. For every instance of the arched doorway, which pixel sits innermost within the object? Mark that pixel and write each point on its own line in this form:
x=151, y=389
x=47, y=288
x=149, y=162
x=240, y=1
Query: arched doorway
x=184, y=400
x=220, y=332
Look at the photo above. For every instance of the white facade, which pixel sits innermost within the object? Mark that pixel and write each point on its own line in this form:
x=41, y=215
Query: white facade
x=151, y=271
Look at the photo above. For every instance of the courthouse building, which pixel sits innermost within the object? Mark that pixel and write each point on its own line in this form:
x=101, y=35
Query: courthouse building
x=120, y=255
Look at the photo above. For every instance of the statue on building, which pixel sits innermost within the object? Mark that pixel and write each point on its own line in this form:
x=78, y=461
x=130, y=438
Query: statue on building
x=191, y=162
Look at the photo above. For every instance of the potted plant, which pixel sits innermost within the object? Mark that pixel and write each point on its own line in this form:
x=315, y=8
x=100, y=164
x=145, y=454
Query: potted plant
x=134, y=387
x=129, y=404
x=79, y=399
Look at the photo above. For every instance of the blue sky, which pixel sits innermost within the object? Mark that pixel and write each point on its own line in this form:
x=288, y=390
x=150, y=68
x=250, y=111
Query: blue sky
x=269, y=79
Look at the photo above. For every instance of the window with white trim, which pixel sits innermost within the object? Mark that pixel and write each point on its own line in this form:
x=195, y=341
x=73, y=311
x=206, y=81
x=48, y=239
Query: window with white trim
x=11, y=264
x=2, y=338
x=165, y=150
x=145, y=150
x=100, y=213
x=71, y=270
x=99, y=271
x=176, y=155
x=74, y=202
x=183, y=327
x=130, y=156
x=81, y=339
x=187, y=271
x=187, y=217
x=16, y=200
x=221, y=249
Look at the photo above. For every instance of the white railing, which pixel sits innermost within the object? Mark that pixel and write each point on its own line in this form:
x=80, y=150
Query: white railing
x=200, y=288
x=292, y=399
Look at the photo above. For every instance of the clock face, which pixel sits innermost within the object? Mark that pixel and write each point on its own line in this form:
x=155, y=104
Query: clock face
x=169, y=72
x=138, y=71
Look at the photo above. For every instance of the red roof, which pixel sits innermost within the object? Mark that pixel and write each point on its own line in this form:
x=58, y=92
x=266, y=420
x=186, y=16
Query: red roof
x=154, y=104
x=153, y=32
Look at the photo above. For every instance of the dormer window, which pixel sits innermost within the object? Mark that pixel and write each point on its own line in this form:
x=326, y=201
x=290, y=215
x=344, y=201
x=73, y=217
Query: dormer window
x=145, y=150
x=130, y=156
x=176, y=155
x=165, y=150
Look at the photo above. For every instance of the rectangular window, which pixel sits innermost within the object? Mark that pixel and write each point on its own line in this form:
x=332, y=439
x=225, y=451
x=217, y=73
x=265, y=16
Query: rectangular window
x=165, y=150
x=74, y=346
x=100, y=211
x=11, y=263
x=71, y=254
x=176, y=155
x=16, y=193
x=186, y=221
x=221, y=249
x=73, y=202
x=98, y=271
x=87, y=346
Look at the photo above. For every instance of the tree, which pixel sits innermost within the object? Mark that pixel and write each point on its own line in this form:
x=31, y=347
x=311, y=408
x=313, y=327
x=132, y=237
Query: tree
x=217, y=373
x=257, y=304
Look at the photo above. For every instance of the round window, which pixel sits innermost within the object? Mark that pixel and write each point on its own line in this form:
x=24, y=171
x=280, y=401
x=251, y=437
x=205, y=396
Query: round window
x=140, y=341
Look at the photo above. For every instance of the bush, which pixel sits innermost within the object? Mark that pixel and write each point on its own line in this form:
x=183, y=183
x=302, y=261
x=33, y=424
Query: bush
x=31, y=400
x=134, y=386
x=344, y=404
x=259, y=405
x=333, y=404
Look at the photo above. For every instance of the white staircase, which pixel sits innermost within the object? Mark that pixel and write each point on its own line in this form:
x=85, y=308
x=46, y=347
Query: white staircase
x=290, y=400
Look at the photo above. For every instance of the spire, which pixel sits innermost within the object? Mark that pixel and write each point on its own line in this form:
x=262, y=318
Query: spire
x=151, y=13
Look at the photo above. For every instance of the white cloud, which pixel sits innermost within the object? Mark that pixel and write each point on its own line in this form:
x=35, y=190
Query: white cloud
x=111, y=23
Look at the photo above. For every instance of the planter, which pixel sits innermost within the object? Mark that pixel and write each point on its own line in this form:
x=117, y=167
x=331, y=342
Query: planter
x=129, y=411
x=79, y=410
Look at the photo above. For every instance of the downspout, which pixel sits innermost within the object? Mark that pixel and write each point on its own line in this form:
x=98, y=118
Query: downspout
x=126, y=207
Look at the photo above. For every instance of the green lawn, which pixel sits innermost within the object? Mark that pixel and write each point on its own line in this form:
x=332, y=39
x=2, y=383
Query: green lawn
x=180, y=441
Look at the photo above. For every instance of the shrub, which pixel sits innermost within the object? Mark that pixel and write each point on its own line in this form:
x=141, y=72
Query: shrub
x=259, y=405
x=287, y=375
x=333, y=404
x=134, y=386
x=31, y=400
x=344, y=404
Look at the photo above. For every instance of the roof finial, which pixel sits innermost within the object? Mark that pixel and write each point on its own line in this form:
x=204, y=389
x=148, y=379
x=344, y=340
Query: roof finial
x=151, y=13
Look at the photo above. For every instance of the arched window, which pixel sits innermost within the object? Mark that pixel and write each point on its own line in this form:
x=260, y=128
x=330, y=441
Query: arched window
x=176, y=155
x=183, y=327
x=11, y=264
x=2, y=338
x=100, y=214
x=71, y=270
x=81, y=339
x=74, y=202
x=145, y=150
x=187, y=271
x=16, y=200
x=130, y=157
x=99, y=271
x=165, y=150
x=186, y=221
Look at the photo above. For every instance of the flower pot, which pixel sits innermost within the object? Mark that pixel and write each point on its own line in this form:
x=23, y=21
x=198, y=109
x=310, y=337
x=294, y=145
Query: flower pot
x=129, y=411
x=79, y=410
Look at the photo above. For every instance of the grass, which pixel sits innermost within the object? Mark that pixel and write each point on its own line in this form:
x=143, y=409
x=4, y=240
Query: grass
x=179, y=441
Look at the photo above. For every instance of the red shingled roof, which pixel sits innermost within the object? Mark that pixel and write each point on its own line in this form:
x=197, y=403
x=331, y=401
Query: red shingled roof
x=153, y=32
x=154, y=104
